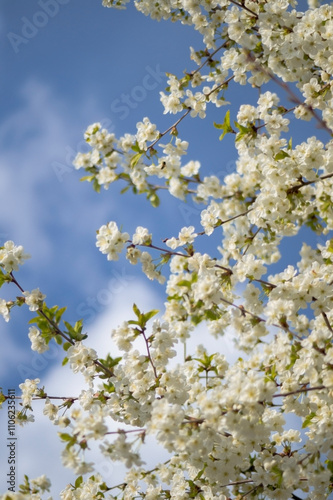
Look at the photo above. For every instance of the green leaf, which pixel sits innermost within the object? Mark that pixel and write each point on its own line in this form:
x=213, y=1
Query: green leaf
x=184, y=82
x=64, y=361
x=330, y=246
x=196, y=319
x=65, y=437
x=59, y=313
x=147, y=316
x=69, y=327
x=136, y=148
x=225, y=126
x=186, y=283
x=58, y=339
x=95, y=129
x=308, y=419
x=135, y=159
x=2, y=397
x=109, y=387
x=75, y=331
x=110, y=362
x=243, y=131
x=329, y=465
x=88, y=178
x=4, y=277
x=137, y=311
x=78, y=482
x=78, y=326
x=212, y=314
x=96, y=185
x=281, y=155
x=23, y=488
x=154, y=200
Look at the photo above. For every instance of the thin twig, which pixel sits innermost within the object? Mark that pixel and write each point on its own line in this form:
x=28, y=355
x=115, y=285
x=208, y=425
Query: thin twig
x=242, y=6
x=149, y=355
x=220, y=85
x=250, y=491
x=162, y=134
x=209, y=58
x=324, y=315
x=235, y=483
x=60, y=332
x=305, y=389
x=125, y=431
x=297, y=187
x=292, y=96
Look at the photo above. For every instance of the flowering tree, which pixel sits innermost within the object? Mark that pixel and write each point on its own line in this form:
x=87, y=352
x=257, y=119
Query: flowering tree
x=224, y=425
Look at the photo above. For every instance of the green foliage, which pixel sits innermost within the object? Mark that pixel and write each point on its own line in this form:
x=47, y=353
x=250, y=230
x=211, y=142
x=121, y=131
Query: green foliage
x=143, y=318
x=225, y=126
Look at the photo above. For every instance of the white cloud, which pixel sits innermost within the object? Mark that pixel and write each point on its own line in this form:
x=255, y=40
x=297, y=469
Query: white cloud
x=29, y=137
x=36, y=140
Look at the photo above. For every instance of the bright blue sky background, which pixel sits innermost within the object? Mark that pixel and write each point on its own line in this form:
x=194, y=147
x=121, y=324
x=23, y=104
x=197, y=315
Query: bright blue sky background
x=69, y=74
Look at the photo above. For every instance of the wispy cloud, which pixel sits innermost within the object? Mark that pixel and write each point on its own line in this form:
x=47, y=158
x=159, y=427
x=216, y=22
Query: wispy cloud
x=29, y=137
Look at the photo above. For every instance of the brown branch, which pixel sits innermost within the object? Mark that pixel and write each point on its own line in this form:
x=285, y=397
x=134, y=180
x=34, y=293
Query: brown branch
x=45, y=396
x=125, y=431
x=222, y=222
x=60, y=332
x=251, y=238
x=242, y=6
x=324, y=315
x=220, y=85
x=209, y=59
x=250, y=491
x=148, y=352
x=235, y=483
x=162, y=134
x=305, y=389
x=292, y=96
x=297, y=187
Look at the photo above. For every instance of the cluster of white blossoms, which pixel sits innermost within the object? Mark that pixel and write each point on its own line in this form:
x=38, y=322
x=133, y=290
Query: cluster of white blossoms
x=37, y=341
x=111, y=241
x=258, y=426
x=141, y=236
x=81, y=359
x=186, y=236
x=12, y=256
x=34, y=299
x=29, y=389
x=4, y=309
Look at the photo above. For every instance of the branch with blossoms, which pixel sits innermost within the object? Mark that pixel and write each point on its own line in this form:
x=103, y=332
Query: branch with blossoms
x=35, y=301
x=293, y=97
x=142, y=238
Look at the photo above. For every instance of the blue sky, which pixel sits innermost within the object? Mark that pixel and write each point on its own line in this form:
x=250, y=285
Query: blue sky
x=82, y=64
